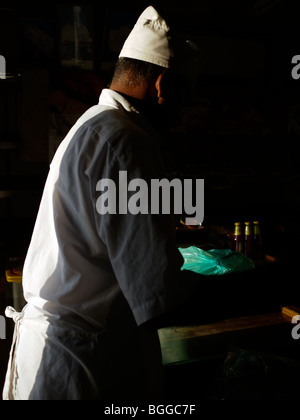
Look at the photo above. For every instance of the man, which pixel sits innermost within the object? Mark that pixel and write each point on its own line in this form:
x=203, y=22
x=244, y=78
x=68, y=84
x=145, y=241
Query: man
x=96, y=284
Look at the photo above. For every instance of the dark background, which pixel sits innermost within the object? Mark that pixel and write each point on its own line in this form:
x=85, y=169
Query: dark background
x=239, y=130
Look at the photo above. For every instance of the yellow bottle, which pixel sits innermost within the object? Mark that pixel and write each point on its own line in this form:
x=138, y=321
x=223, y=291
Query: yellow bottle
x=248, y=239
x=238, y=242
x=257, y=241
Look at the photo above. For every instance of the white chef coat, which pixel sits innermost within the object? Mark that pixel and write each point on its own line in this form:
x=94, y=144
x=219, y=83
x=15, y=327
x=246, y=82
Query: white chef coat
x=91, y=280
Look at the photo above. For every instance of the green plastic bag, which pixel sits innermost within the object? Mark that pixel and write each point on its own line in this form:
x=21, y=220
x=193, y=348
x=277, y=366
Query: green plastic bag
x=215, y=261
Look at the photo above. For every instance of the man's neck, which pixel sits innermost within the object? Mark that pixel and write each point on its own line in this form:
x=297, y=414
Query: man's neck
x=139, y=92
x=149, y=109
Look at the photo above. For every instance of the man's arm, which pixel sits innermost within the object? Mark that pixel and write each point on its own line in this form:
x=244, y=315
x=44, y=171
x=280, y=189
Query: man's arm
x=194, y=305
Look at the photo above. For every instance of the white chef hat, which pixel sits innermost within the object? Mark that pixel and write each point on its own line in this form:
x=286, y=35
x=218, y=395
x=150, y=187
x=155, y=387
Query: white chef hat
x=150, y=40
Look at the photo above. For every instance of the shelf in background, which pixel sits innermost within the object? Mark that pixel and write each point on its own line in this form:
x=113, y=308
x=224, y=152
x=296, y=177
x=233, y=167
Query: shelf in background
x=7, y=145
x=18, y=194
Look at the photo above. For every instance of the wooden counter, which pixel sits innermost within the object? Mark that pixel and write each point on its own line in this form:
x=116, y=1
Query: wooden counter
x=203, y=362
x=187, y=343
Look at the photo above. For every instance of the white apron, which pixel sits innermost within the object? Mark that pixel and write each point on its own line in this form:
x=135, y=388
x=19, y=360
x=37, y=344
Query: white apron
x=72, y=364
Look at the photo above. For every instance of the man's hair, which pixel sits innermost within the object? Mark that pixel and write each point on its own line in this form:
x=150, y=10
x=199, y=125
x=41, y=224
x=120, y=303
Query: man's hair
x=135, y=72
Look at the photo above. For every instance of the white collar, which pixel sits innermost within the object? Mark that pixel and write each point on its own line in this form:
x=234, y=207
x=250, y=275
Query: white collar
x=115, y=100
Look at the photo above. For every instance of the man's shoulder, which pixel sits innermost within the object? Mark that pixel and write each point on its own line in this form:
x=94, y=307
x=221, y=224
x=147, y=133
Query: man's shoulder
x=106, y=133
x=110, y=122
x=119, y=130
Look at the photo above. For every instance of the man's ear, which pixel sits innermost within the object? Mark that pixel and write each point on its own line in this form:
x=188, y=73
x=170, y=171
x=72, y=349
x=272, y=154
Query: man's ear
x=160, y=87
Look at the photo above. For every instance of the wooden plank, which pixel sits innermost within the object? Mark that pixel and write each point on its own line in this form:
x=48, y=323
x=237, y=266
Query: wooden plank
x=228, y=325
x=290, y=312
x=188, y=343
